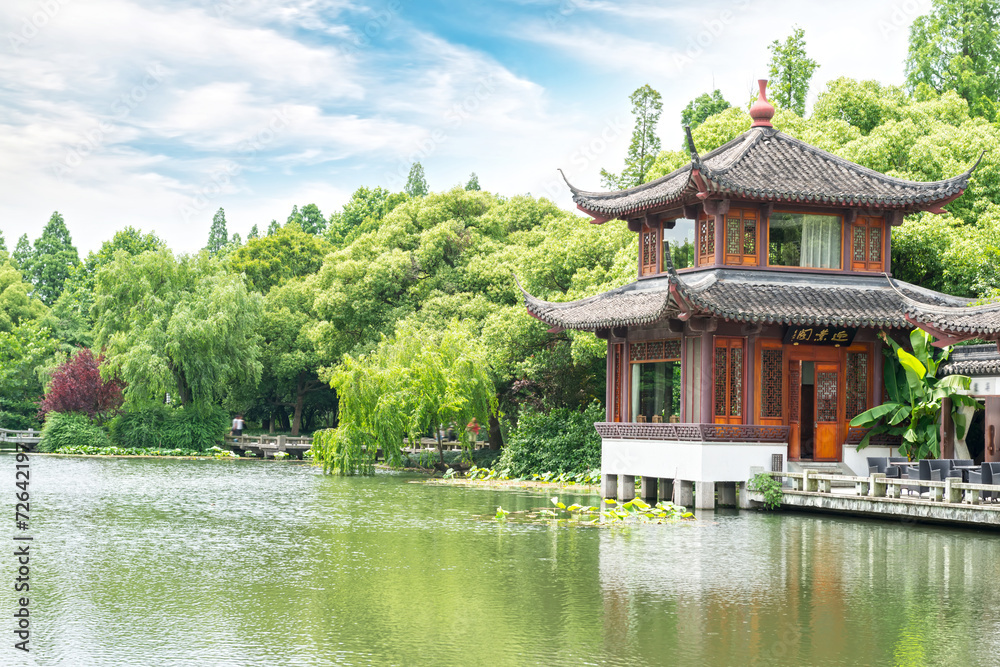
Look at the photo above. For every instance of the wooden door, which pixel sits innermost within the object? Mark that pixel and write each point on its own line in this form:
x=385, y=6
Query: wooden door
x=794, y=392
x=727, y=395
x=827, y=427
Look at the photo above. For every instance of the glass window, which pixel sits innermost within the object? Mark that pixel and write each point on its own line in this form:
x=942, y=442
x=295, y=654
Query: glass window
x=656, y=391
x=680, y=241
x=802, y=239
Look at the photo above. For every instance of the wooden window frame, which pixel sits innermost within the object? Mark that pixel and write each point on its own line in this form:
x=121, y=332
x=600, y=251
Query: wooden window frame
x=705, y=235
x=650, y=250
x=740, y=217
x=766, y=243
x=730, y=344
x=867, y=225
x=762, y=345
x=649, y=360
x=867, y=349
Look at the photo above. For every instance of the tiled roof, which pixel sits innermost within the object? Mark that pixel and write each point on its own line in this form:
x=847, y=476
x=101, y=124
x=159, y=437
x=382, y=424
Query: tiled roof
x=766, y=165
x=978, y=321
x=748, y=296
x=972, y=360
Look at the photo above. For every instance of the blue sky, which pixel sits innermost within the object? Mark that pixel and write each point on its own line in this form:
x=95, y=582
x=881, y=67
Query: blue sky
x=156, y=113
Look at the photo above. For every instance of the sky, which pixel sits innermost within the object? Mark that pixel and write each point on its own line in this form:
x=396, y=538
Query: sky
x=154, y=113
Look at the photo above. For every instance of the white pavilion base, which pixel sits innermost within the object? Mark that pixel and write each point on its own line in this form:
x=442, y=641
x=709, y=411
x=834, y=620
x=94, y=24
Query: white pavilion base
x=704, y=467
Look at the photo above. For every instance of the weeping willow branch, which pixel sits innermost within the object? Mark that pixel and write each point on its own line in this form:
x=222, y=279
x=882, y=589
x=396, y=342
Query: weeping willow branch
x=414, y=382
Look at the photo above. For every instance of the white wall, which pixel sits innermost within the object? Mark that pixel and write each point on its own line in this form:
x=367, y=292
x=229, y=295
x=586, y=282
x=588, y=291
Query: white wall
x=689, y=461
x=858, y=461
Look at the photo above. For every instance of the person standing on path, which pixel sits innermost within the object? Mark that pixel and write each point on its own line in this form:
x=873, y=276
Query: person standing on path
x=238, y=425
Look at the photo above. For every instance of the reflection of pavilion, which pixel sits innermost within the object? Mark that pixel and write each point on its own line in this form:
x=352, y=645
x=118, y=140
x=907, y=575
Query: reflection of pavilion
x=798, y=591
x=754, y=334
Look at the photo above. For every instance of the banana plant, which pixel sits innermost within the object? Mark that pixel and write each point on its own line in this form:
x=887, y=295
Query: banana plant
x=916, y=394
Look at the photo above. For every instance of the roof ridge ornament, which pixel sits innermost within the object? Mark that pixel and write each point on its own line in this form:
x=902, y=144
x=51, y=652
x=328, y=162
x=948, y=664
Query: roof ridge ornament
x=762, y=111
x=695, y=158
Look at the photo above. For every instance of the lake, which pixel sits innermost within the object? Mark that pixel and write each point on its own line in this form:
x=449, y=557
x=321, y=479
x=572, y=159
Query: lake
x=170, y=562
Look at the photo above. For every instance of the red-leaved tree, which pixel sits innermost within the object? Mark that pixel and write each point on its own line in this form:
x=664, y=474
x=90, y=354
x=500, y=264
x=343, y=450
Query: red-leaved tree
x=77, y=386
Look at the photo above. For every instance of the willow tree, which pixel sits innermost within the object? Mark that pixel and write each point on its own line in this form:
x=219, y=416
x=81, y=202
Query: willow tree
x=413, y=382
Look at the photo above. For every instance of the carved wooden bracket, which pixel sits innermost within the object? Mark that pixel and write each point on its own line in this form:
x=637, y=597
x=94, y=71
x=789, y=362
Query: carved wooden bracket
x=619, y=332
x=716, y=206
x=702, y=325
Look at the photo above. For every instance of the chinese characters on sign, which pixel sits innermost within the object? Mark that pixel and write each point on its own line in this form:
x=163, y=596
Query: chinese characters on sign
x=820, y=335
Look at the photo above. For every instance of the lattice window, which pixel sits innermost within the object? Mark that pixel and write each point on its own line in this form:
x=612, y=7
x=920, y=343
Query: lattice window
x=866, y=244
x=655, y=350
x=875, y=244
x=771, y=383
x=721, y=382
x=859, y=243
x=736, y=382
x=826, y=397
x=729, y=378
x=794, y=391
x=857, y=383
x=649, y=249
x=741, y=236
x=706, y=241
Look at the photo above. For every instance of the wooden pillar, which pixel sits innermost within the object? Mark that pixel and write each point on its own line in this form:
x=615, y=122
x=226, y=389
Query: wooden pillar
x=609, y=389
x=707, y=376
x=947, y=435
x=992, y=428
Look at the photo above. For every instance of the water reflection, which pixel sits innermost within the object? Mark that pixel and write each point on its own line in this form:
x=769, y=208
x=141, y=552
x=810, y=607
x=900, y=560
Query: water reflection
x=145, y=562
x=805, y=589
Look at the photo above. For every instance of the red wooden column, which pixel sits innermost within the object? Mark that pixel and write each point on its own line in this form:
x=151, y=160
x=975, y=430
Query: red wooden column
x=947, y=430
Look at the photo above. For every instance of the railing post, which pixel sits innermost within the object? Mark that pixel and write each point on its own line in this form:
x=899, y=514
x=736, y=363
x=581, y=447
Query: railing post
x=878, y=485
x=861, y=487
x=809, y=483
x=951, y=493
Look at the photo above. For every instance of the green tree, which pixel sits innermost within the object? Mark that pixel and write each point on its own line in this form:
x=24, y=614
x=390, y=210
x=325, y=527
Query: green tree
x=22, y=252
x=53, y=259
x=275, y=259
x=415, y=381
x=273, y=227
x=312, y=219
x=3, y=243
x=254, y=233
x=416, y=184
x=791, y=71
x=646, y=107
x=957, y=47
x=473, y=182
x=290, y=356
x=703, y=106
x=218, y=236
x=863, y=104
x=17, y=305
x=180, y=326
x=25, y=352
x=362, y=213
x=295, y=216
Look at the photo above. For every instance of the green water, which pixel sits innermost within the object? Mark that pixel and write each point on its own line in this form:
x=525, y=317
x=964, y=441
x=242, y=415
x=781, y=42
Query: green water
x=152, y=562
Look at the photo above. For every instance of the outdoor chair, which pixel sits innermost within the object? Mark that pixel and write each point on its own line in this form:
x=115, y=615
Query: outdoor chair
x=935, y=470
x=989, y=473
x=880, y=464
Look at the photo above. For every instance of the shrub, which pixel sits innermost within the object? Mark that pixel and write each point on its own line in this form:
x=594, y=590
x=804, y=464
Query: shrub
x=161, y=426
x=562, y=440
x=70, y=429
x=76, y=386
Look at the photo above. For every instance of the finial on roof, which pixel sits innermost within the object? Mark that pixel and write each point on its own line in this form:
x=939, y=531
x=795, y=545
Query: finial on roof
x=762, y=111
x=690, y=140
